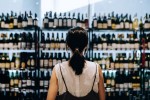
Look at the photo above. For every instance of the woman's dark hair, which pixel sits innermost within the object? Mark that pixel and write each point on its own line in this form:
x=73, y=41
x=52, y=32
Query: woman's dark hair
x=77, y=40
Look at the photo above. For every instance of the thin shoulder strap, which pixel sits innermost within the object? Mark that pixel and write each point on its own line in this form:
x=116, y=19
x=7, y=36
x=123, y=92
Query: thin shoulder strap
x=94, y=77
x=63, y=77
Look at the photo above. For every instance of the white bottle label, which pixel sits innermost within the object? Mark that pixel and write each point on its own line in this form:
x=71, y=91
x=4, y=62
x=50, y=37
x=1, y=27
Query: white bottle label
x=109, y=23
x=95, y=23
x=15, y=22
x=69, y=22
x=126, y=25
x=30, y=21
x=24, y=24
x=122, y=25
x=74, y=22
x=55, y=22
x=45, y=21
x=51, y=24
x=60, y=22
x=100, y=25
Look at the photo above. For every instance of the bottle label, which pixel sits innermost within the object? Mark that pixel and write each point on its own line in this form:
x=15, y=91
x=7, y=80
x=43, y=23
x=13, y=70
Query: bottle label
x=54, y=62
x=32, y=62
x=100, y=25
x=46, y=62
x=19, y=25
x=45, y=21
x=55, y=22
x=95, y=23
x=69, y=22
x=24, y=24
x=41, y=83
x=64, y=22
x=149, y=45
x=60, y=22
x=46, y=83
x=104, y=25
x=33, y=83
x=11, y=82
x=122, y=25
x=23, y=45
x=17, y=63
x=8, y=65
x=47, y=45
x=12, y=65
x=131, y=26
x=126, y=25
x=99, y=46
x=41, y=62
x=74, y=23
x=30, y=21
x=28, y=82
x=51, y=24
x=79, y=24
x=117, y=26
x=6, y=25
x=35, y=22
x=104, y=46
x=16, y=81
x=50, y=63
x=5, y=45
x=146, y=26
x=2, y=24
x=15, y=22
x=23, y=65
x=109, y=23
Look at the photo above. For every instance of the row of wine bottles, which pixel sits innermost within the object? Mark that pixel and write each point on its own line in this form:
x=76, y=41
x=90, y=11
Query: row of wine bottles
x=63, y=21
x=116, y=22
x=18, y=61
x=24, y=40
x=120, y=62
x=14, y=21
x=50, y=60
x=54, y=43
x=125, y=80
x=111, y=42
x=127, y=95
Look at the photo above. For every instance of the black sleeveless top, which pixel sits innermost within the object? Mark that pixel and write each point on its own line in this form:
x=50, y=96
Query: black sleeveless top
x=68, y=96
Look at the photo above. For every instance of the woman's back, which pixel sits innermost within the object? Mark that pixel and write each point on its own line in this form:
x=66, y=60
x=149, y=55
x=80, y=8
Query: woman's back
x=78, y=85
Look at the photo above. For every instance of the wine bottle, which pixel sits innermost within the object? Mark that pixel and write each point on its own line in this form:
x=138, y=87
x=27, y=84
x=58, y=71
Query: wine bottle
x=86, y=21
x=104, y=22
x=2, y=21
x=46, y=57
x=11, y=24
x=7, y=62
x=79, y=21
x=42, y=60
x=121, y=22
x=19, y=23
x=109, y=22
x=17, y=61
x=15, y=21
x=117, y=22
x=16, y=79
x=32, y=61
x=127, y=25
x=35, y=21
x=42, y=45
x=55, y=20
x=146, y=24
x=51, y=21
x=47, y=42
x=82, y=22
x=12, y=64
x=64, y=58
x=135, y=22
x=46, y=21
x=64, y=21
x=52, y=42
x=113, y=25
x=74, y=21
x=62, y=43
x=57, y=42
x=130, y=23
x=99, y=22
x=25, y=20
x=69, y=21
x=30, y=20
x=50, y=62
x=60, y=21
x=94, y=23
x=7, y=21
